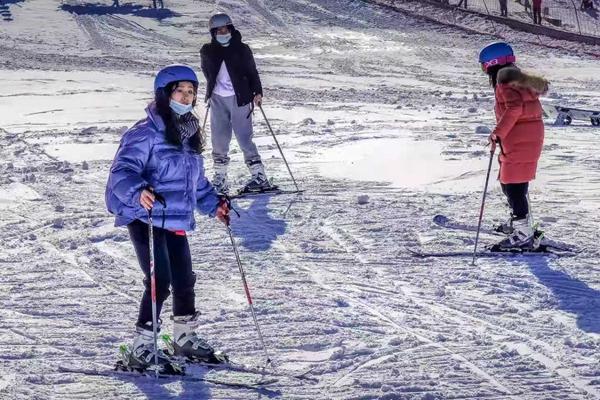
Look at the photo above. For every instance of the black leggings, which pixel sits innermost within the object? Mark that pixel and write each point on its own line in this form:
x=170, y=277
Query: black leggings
x=516, y=194
x=172, y=266
x=504, y=8
x=537, y=15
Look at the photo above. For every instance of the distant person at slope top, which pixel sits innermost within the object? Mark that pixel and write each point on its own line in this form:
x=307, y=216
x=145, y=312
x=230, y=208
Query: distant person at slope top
x=519, y=132
x=233, y=87
x=159, y=167
x=504, y=8
x=537, y=12
x=586, y=5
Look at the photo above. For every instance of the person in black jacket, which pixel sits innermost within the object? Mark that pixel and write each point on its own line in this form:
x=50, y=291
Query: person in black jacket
x=233, y=87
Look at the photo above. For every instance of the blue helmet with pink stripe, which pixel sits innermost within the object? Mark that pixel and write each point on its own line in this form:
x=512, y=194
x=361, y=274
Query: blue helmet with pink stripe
x=497, y=53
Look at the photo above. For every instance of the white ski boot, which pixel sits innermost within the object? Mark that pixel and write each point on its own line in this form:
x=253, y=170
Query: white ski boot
x=187, y=344
x=521, y=238
x=220, y=180
x=141, y=355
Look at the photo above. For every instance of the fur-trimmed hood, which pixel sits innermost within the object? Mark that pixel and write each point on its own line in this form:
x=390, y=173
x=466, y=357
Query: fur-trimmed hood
x=515, y=77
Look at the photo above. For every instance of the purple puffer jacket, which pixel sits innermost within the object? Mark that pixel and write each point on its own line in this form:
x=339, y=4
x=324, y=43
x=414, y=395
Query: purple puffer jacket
x=145, y=158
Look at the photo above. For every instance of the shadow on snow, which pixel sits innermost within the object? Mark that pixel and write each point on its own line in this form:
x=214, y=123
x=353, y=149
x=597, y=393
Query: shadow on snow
x=256, y=228
x=5, y=10
x=571, y=295
x=125, y=9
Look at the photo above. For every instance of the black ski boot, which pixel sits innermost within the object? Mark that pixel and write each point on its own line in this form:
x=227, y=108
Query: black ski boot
x=505, y=227
x=259, y=182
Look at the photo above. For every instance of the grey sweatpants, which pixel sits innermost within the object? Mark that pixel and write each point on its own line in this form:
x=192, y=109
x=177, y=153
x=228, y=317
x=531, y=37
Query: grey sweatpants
x=225, y=117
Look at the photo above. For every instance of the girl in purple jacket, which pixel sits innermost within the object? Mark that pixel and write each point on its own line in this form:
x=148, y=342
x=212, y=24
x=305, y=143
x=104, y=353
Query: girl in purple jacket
x=160, y=158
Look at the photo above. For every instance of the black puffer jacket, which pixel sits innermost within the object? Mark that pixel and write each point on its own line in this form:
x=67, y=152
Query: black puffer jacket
x=240, y=65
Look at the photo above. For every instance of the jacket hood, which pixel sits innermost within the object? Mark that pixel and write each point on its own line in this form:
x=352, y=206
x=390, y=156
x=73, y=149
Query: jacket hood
x=156, y=119
x=517, y=78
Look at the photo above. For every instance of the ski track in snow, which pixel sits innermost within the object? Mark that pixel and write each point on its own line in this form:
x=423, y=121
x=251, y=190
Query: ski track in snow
x=333, y=288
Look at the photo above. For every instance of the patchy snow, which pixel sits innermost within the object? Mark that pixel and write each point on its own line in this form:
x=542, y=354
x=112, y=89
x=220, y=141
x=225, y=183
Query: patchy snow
x=377, y=112
x=78, y=152
x=16, y=192
x=404, y=163
x=33, y=99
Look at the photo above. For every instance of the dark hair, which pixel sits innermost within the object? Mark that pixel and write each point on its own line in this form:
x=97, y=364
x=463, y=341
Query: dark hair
x=493, y=73
x=162, y=99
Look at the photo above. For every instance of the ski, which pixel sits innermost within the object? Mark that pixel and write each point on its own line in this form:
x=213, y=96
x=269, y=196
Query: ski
x=449, y=223
x=247, y=383
x=487, y=253
x=254, y=369
x=266, y=193
x=225, y=364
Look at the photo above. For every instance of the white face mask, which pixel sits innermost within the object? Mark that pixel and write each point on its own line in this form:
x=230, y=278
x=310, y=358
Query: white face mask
x=224, y=39
x=180, y=109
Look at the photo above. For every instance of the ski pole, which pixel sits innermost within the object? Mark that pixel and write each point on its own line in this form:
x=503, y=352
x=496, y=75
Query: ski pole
x=153, y=291
x=205, y=119
x=487, y=179
x=248, y=295
x=278, y=146
x=161, y=200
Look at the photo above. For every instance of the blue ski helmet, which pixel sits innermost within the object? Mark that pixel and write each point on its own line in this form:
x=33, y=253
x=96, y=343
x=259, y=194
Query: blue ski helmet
x=497, y=53
x=174, y=73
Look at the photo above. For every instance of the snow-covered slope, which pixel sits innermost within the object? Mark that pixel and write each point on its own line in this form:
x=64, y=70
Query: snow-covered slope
x=365, y=102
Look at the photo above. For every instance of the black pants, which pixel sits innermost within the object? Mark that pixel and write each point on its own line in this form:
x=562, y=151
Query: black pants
x=172, y=266
x=504, y=8
x=516, y=194
x=537, y=15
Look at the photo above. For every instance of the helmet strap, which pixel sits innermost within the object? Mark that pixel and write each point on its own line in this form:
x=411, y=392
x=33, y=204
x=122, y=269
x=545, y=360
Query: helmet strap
x=499, y=61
